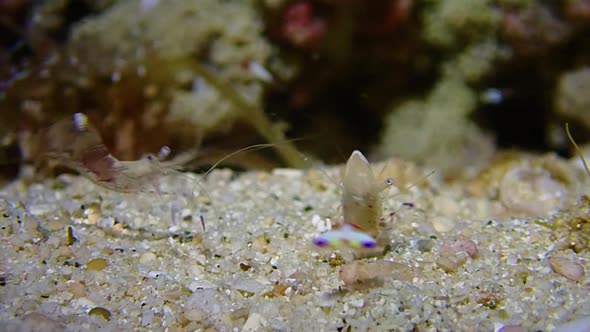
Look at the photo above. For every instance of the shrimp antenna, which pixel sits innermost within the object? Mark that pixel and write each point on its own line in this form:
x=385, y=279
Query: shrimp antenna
x=254, y=147
x=569, y=135
x=422, y=179
x=412, y=185
x=389, y=181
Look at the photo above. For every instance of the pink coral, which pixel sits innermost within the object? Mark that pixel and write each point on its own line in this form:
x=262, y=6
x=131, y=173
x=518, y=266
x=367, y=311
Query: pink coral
x=301, y=27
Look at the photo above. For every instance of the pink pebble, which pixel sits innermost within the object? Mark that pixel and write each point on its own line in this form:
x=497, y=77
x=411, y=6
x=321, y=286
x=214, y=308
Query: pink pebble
x=565, y=267
x=467, y=246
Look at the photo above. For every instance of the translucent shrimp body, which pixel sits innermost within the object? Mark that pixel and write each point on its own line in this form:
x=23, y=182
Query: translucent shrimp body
x=361, y=202
x=75, y=143
x=361, y=206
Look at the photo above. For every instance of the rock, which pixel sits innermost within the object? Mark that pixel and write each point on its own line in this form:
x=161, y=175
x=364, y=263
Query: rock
x=254, y=323
x=565, y=267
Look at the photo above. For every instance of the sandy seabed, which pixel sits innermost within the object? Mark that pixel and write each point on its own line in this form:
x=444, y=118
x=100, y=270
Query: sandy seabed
x=234, y=252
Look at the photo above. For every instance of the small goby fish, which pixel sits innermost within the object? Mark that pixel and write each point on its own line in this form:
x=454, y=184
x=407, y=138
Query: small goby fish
x=345, y=235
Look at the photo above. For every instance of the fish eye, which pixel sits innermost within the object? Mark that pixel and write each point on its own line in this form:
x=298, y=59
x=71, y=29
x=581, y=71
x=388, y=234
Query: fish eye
x=389, y=182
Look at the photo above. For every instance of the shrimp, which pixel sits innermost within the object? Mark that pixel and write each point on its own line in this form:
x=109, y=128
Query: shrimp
x=76, y=144
x=361, y=206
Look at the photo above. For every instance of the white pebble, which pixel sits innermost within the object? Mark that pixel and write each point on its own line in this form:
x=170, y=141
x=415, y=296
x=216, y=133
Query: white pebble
x=321, y=225
x=357, y=303
x=287, y=172
x=315, y=219
x=147, y=257
x=84, y=303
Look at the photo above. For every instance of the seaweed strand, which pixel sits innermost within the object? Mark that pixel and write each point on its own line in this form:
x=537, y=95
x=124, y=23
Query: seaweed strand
x=569, y=135
x=256, y=117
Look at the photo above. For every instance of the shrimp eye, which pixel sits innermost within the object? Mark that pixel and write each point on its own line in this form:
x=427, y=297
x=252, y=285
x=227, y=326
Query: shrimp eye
x=163, y=153
x=389, y=182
